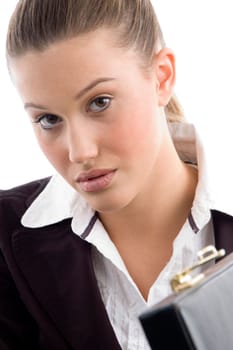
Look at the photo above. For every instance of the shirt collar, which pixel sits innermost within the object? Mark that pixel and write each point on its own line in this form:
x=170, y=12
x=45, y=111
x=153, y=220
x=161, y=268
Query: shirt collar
x=59, y=201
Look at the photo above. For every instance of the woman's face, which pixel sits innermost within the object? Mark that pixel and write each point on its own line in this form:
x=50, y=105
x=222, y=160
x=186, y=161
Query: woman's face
x=95, y=114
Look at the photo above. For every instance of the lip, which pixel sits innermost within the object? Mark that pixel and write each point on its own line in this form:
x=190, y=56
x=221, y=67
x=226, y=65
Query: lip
x=95, y=180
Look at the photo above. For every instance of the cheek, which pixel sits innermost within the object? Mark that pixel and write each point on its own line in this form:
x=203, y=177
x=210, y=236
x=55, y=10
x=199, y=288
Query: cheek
x=136, y=134
x=53, y=151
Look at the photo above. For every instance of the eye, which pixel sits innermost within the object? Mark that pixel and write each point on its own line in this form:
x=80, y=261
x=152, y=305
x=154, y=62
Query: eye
x=48, y=121
x=99, y=104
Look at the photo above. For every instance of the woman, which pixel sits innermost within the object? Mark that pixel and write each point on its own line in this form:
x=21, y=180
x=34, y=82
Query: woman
x=83, y=253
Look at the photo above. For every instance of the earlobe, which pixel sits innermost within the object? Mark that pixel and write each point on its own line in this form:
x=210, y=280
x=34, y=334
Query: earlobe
x=165, y=75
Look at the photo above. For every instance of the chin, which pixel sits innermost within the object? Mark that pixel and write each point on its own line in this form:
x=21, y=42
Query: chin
x=109, y=203
x=106, y=207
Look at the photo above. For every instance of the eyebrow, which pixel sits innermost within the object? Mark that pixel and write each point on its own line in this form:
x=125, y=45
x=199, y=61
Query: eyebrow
x=76, y=97
x=91, y=86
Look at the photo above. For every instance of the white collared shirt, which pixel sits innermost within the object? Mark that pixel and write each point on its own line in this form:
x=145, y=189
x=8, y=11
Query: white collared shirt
x=122, y=299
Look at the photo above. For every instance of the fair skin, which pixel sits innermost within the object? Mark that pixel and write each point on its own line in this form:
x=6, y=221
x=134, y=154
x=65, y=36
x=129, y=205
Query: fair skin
x=116, y=126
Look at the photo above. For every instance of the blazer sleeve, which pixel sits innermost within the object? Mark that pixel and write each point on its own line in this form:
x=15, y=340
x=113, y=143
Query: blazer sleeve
x=17, y=328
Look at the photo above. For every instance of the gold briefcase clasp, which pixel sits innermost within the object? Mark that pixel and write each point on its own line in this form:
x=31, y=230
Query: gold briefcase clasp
x=184, y=279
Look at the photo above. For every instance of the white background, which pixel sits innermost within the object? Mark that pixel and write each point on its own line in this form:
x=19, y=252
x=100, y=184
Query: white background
x=200, y=33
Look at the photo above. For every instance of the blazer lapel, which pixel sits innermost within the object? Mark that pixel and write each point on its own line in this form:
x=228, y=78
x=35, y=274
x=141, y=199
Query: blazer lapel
x=223, y=230
x=57, y=265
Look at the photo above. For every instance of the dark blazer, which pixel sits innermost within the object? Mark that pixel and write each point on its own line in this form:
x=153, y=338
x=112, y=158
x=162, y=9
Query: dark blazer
x=49, y=298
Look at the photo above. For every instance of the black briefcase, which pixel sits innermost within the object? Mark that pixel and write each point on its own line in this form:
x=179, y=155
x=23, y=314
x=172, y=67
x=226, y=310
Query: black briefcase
x=199, y=315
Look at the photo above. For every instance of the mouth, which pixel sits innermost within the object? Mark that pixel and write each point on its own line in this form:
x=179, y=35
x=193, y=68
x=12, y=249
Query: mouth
x=96, y=180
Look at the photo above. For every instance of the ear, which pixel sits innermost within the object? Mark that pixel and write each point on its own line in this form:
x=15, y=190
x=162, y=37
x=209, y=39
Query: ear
x=164, y=62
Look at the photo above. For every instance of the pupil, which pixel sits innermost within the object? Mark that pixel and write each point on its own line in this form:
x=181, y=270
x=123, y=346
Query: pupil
x=51, y=118
x=101, y=102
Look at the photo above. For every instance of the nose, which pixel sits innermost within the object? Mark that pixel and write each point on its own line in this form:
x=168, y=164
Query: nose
x=82, y=146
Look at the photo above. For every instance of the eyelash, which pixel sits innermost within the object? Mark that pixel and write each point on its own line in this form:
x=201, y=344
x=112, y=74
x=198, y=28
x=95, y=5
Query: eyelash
x=100, y=98
x=40, y=119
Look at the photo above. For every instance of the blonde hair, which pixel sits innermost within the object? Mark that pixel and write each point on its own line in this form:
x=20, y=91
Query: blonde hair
x=35, y=24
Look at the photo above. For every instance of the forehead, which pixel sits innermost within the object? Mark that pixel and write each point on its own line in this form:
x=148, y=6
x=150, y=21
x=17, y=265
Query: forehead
x=67, y=66
x=89, y=53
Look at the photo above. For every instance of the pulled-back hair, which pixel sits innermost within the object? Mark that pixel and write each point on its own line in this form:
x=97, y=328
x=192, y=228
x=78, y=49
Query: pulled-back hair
x=35, y=24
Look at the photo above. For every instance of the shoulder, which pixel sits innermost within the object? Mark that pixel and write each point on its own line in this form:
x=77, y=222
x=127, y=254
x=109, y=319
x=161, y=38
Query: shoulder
x=14, y=201
x=25, y=190
x=223, y=230
x=30, y=189
x=221, y=218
